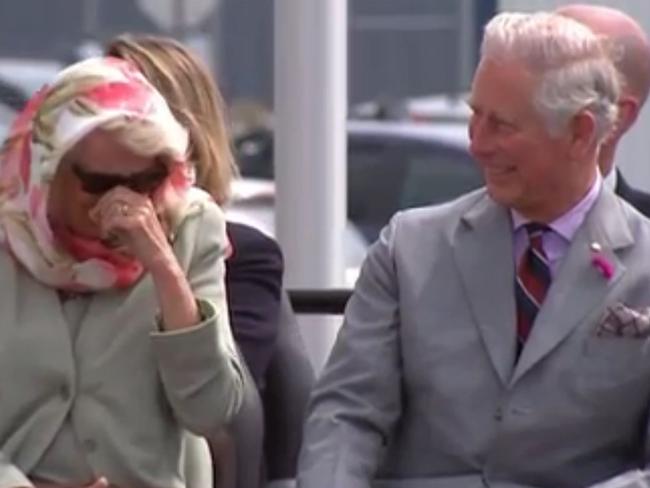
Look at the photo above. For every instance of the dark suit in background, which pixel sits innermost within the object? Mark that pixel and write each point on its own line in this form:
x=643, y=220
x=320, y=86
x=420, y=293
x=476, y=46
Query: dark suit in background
x=254, y=289
x=268, y=335
x=637, y=198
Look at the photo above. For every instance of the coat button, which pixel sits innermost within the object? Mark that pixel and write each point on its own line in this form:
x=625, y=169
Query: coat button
x=64, y=392
x=498, y=415
x=520, y=411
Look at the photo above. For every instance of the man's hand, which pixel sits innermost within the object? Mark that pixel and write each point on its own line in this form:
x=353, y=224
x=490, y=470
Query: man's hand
x=100, y=482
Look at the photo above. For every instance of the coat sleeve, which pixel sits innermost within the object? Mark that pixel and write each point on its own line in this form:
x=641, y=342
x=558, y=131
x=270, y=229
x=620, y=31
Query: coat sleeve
x=254, y=289
x=11, y=476
x=199, y=366
x=357, y=400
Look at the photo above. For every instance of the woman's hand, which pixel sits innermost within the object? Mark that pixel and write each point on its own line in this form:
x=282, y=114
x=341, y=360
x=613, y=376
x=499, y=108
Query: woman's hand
x=129, y=221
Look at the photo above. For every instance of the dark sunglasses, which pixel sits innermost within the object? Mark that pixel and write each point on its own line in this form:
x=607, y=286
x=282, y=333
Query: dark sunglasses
x=144, y=182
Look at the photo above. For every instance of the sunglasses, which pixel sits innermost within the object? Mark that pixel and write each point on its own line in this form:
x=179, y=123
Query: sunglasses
x=144, y=182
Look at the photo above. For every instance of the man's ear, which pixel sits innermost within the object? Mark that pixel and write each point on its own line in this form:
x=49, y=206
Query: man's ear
x=582, y=134
x=628, y=111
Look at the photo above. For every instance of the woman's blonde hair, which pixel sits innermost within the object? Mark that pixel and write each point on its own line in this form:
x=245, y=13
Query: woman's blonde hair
x=195, y=100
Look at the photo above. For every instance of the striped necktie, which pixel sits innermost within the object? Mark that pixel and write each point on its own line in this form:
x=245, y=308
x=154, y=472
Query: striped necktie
x=533, y=281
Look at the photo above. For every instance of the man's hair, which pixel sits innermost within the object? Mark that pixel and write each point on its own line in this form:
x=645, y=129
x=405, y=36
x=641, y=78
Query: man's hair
x=573, y=66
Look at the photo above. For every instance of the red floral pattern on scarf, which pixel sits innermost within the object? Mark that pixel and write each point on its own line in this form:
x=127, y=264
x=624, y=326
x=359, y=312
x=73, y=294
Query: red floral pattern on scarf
x=39, y=137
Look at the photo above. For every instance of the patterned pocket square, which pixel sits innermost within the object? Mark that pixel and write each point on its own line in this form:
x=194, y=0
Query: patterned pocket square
x=622, y=321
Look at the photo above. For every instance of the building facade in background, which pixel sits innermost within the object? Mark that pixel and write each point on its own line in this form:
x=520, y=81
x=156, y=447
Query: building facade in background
x=397, y=48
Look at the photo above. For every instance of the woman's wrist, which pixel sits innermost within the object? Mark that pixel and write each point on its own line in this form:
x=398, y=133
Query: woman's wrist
x=178, y=306
x=165, y=268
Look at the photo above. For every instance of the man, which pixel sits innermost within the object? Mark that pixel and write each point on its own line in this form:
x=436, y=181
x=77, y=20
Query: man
x=631, y=50
x=444, y=375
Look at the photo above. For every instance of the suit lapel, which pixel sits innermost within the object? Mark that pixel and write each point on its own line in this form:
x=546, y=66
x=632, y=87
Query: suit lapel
x=622, y=188
x=579, y=286
x=483, y=253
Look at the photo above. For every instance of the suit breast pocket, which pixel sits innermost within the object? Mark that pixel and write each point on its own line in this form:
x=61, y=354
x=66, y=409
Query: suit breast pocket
x=612, y=379
x=614, y=362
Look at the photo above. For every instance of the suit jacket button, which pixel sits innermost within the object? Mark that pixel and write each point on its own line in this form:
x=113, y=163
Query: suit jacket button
x=519, y=411
x=498, y=415
x=89, y=445
x=64, y=392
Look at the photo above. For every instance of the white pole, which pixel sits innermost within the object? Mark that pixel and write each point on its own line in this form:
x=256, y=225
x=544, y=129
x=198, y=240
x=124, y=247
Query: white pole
x=466, y=42
x=310, y=81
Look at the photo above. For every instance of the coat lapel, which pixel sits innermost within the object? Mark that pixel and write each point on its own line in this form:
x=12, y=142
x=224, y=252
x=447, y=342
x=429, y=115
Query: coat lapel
x=483, y=253
x=579, y=287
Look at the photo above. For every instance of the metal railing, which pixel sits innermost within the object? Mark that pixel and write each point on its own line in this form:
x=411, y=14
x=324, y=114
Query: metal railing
x=319, y=302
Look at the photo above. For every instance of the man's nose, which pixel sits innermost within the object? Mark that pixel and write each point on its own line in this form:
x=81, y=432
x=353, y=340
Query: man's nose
x=481, y=140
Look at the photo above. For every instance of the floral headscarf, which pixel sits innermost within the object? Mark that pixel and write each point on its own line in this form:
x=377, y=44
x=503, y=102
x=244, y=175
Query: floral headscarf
x=83, y=97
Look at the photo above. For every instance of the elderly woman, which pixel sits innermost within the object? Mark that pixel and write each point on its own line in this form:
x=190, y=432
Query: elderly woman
x=114, y=333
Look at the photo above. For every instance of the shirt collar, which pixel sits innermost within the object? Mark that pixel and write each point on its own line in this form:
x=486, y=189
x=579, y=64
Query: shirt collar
x=611, y=179
x=567, y=224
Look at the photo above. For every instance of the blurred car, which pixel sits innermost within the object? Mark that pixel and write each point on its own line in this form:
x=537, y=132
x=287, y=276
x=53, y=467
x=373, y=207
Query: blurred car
x=253, y=203
x=7, y=115
x=12, y=99
x=392, y=165
x=19, y=79
x=438, y=108
x=28, y=75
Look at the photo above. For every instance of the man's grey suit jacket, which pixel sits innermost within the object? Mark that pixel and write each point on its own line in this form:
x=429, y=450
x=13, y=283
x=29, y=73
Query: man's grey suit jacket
x=422, y=389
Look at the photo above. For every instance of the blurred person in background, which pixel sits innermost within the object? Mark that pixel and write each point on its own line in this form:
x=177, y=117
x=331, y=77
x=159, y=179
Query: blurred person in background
x=255, y=268
x=114, y=332
x=500, y=340
x=630, y=50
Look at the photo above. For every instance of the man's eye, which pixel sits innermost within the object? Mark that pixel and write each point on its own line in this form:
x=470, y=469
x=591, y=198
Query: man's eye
x=502, y=124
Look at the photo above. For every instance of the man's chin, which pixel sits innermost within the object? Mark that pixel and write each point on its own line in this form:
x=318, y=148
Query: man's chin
x=500, y=195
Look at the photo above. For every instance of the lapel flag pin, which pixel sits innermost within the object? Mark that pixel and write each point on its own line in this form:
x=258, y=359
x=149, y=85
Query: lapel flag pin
x=600, y=261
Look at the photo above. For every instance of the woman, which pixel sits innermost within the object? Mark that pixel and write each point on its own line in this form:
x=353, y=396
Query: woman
x=255, y=268
x=114, y=333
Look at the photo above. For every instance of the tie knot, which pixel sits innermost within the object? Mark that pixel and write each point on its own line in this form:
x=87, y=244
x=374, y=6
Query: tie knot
x=535, y=228
x=535, y=231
